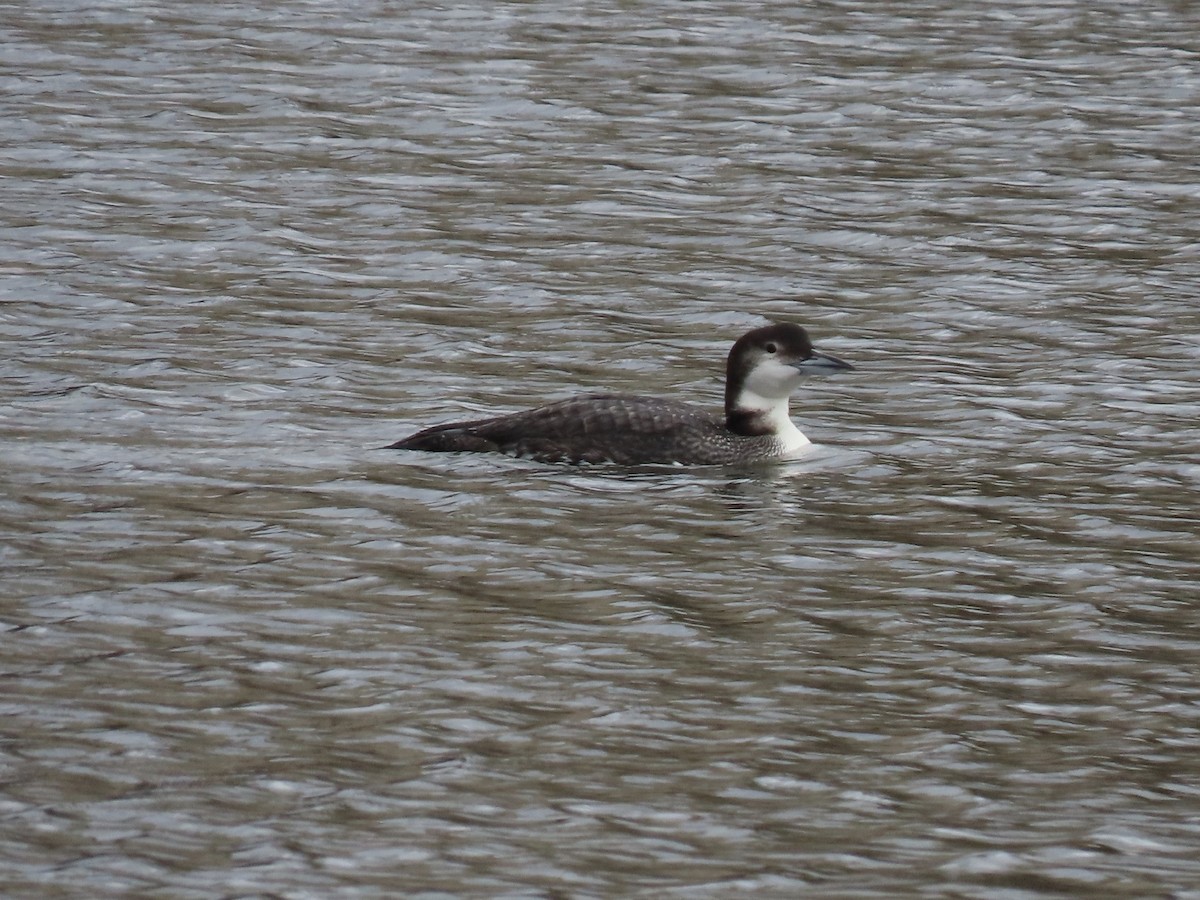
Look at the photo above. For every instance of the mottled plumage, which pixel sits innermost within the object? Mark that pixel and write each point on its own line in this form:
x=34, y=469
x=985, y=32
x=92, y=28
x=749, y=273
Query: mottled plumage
x=762, y=370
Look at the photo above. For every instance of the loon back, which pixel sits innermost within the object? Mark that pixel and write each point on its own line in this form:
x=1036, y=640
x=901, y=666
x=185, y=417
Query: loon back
x=595, y=428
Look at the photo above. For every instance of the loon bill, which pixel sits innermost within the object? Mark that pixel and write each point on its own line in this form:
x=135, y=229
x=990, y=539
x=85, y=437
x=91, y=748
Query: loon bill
x=763, y=369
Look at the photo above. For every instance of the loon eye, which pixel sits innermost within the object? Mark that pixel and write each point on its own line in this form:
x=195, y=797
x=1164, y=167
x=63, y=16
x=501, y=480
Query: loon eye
x=771, y=348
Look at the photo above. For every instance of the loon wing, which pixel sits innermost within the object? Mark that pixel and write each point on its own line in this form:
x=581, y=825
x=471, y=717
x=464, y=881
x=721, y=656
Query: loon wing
x=594, y=428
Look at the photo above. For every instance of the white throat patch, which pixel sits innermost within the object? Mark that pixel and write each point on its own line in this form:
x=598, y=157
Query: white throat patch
x=765, y=394
x=775, y=415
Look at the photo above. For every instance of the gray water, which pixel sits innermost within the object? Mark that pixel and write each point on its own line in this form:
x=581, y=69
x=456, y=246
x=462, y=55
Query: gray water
x=248, y=654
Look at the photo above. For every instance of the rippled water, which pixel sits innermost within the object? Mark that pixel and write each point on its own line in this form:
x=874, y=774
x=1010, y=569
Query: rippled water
x=246, y=653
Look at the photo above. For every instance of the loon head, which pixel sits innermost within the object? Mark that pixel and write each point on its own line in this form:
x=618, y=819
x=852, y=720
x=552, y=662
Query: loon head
x=764, y=367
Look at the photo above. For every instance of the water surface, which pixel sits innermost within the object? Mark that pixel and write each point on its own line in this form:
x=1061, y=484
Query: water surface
x=247, y=653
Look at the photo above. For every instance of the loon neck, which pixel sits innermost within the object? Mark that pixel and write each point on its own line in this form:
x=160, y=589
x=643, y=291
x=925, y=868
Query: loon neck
x=750, y=415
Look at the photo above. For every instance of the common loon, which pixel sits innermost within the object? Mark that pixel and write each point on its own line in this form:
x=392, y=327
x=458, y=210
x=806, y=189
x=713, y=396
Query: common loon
x=763, y=369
